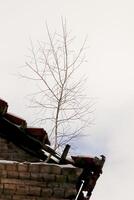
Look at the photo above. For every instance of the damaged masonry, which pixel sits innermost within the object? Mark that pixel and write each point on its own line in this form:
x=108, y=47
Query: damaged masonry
x=35, y=143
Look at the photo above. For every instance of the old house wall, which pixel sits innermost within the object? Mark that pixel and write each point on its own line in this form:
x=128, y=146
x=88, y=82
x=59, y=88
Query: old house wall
x=29, y=180
x=37, y=181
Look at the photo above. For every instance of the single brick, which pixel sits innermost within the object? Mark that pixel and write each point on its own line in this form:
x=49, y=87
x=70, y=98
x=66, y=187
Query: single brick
x=46, y=192
x=10, y=186
x=5, y=197
x=24, y=175
x=23, y=167
x=58, y=192
x=47, y=177
x=11, y=181
x=55, y=169
x=72, y=178
x=34, y=183
x=33, y=190
x=35, y=176
x=4, y=147
x=12, y=174
x=2, y=166
x=70, y=193
x=4, y=180
x=22, y=189
x=53, y=184
x=67, y=185
x=45, y=168
x=34, y=168
x=61, y=178
x=3, y=174
x=69, y=170
x=11, y=167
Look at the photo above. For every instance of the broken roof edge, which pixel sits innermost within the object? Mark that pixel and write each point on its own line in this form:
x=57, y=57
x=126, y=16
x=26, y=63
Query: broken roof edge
x=38, y=133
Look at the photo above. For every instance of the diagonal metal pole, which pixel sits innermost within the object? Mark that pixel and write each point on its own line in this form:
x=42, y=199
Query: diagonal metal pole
x=80, y=189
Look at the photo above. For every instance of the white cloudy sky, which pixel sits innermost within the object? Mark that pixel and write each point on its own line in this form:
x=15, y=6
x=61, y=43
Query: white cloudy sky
x=110, y=70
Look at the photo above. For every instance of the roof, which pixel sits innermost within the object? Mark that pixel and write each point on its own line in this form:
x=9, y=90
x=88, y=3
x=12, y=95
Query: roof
x=15, y=129
x=38, y=133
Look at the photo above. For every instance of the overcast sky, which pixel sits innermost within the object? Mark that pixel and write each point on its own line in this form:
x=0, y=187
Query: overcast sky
x=110, y=69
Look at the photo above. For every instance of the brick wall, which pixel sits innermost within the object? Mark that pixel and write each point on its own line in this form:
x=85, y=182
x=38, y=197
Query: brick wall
x=37, y=181
x=9, y=151
x=23, y=177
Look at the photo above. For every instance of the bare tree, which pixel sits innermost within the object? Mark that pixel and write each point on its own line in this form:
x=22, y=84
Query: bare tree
x=64, y=109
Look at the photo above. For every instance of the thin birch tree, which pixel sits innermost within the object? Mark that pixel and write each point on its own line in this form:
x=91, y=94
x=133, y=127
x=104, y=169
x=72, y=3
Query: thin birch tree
x=56, y=67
